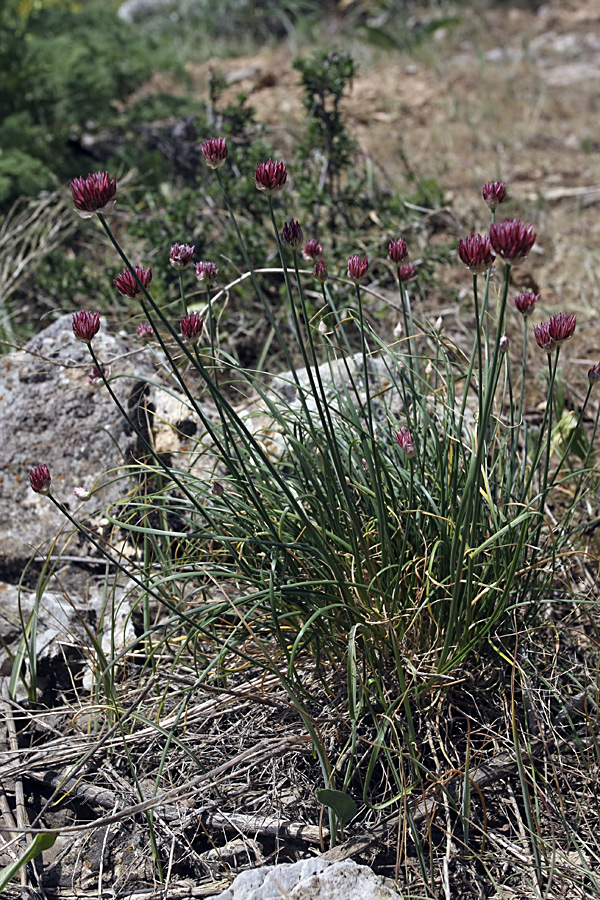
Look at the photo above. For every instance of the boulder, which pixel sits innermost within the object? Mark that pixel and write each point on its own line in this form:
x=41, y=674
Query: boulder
x=309, y=879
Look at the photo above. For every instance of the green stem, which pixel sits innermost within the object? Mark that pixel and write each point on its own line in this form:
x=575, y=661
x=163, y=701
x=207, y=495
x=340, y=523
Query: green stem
x=182, y=292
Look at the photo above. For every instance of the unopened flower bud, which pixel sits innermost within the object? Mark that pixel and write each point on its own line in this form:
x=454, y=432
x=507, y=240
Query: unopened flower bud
x=320, y=273
x=594, y=374
x=40, y=480
x=406, y=442
x=494, y=193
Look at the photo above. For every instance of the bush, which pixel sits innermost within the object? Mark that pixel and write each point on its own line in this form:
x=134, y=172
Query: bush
x=63, y=71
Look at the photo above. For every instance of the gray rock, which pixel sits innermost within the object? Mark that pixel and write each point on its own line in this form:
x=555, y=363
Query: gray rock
x=136, y=10
x=309, y=879
x=49, y=413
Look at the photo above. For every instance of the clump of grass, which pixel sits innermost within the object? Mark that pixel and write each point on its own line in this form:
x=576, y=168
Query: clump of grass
x=396, y=526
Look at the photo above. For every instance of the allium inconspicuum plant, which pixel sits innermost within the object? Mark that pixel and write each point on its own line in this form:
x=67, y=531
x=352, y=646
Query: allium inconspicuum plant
x=312, y=250
x=357, y=268
x=40, y=480
x=214, y=151
x=291, y=235
x=397, y=251
x=86, y=326
x=407, y=272
x=400, y=551
x=270, y=177
x=526, y=301
x=512, y=240
x=476, y=253
x=130, y=285
x=181, y=256
x=494, y=193
x=206, y=272
x=94, y=194
x=191, y=327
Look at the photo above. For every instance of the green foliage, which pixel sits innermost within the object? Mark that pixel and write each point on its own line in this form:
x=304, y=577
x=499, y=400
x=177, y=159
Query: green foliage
x=63, y=70
x=326, y=146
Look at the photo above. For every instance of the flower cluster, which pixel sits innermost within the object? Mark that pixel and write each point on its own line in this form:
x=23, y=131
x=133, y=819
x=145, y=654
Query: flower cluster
x=406, y=441
x=320, y=272
x=512, y=240
x=40, y=480
x=357, y=268
x=86, y=326
x=206, y=272
x=312, y=250
x=594, y=374
x=397, y=251
x=144, y=331
x=214, y=151
x=407, y=273
x=97, y=375
x=128, y=285
x=191, y=327
x=525, y=302
x=291, y=235
x=94, y=194
x=551, y=334
x=494, y=193
x=181, y=255
x=476, y=253
x=270, y=177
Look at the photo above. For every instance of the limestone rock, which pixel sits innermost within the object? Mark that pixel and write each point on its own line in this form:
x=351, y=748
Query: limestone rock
x=309, y=879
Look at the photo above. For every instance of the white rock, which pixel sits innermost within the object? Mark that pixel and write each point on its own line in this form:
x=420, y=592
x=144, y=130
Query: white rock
x=309, y=879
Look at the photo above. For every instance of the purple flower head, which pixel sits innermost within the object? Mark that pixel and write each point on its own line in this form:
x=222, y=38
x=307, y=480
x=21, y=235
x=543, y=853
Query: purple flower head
x=206, y=272
x=95, y=375
x=562, y=327
x=525, y=302
x=512, y=240
x=476, y=253
x=357, y=268
x=191, y=327
x=214, y=151
x=94, y=194
x=320, y=272
x=86, y=326
x=40, y=480
x=144, y=331
x=291, y=235
x=407, y=273
x=543, y=337
x=406, y=442
x=594, y=374
x=181, y=255
x=270, y=176
x=127, y=284
x=312, y=250
x=397, y=251
x=494, y=193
